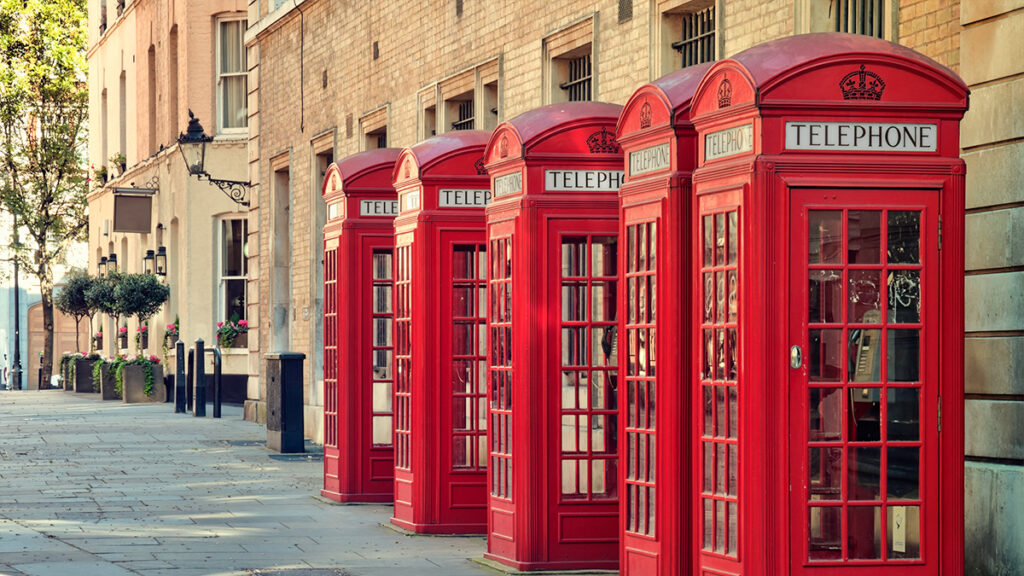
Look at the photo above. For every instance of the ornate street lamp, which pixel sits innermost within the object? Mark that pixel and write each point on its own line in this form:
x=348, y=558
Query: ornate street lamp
x=101, y=267
x=161, y=260
x=148, y=262
x=192, y=144
x=112, y=263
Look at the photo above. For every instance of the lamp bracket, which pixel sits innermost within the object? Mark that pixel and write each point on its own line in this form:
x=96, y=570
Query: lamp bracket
x=234, y=189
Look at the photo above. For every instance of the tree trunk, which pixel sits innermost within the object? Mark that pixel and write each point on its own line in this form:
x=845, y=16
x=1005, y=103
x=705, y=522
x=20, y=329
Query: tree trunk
x=46, y=290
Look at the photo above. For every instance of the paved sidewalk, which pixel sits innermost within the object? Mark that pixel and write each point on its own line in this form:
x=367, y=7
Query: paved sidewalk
x=107, y=489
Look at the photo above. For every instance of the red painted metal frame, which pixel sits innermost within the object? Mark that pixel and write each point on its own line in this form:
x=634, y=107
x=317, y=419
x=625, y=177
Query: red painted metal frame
x=531, y=526
x=355, y=469
x=799, y=78
x=660, y=146
x=432, y=494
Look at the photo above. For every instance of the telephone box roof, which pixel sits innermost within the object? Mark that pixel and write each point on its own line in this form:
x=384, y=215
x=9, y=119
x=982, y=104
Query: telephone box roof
x=436, y=148
x=352, y=168
x=535, y=123
x=769, y=60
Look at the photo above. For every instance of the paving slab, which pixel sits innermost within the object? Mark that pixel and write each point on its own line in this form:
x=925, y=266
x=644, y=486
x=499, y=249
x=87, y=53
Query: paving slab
x=93, y=487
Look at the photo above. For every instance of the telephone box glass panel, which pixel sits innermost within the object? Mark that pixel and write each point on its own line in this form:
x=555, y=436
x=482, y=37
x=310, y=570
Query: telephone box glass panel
x=403, y=358
x=500, y=289
x=469, y=357
x=382, y=347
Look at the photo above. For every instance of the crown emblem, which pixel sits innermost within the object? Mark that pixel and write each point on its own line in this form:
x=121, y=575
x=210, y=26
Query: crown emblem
x=724, y=93
x=645, y=115
x=503, y=147
x=862, y=85
x=479, y=165
x=602, y=142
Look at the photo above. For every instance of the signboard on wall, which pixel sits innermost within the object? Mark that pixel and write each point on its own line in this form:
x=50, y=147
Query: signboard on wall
x=133, y=214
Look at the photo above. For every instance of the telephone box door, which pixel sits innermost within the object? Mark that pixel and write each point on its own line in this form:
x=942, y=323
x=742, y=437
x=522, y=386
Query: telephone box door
x=864, y=386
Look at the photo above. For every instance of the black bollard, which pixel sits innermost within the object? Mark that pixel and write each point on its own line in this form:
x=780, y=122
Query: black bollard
x=216, y=382
x=179, y=378
x=199, y=396
x=189, y=378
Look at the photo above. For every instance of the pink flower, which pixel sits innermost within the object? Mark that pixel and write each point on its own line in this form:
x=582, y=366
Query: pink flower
x=172, y=327
x=123, y=330
x=220, y=324
x=243, y=323
x=141, y=328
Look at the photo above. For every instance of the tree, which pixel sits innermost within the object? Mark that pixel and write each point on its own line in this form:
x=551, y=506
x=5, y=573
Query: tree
x=140, y=295
x=43, y=112
x=100, y=296
x=72, y=300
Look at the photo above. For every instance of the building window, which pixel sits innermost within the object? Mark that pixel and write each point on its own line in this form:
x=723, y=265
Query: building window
x=233, y=268
x=232, y=76
x=577, y=85
x=374, y=127
x=463, y=112
x=697, y=43
x=377, y=139
x=860, y=17
x=429, y=122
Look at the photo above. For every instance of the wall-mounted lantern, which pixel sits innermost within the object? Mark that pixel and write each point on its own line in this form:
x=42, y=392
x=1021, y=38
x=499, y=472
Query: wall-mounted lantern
x=101, y=267
x=112, y=263
x=192, y=144
x=148, y=262
x=161, y=261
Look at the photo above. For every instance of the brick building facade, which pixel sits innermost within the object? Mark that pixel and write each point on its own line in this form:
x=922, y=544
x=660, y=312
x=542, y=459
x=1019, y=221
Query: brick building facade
x=328, y=79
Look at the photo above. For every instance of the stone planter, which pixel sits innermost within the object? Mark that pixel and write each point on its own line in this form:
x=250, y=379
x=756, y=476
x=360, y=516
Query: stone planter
x=65, y=373
x=133, y=379
x=83, y=375
x=107, y=388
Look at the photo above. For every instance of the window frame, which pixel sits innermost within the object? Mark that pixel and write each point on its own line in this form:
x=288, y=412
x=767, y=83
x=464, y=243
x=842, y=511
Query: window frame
x=222, y=278
x=219, y=74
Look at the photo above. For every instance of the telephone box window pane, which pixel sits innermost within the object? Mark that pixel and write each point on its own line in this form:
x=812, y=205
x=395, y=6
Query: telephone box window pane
x=863, y=473
x=652, y=251
x=903, y=355
x=462, y=376
x=825, y=533
x=463, y=262
x=597, y=483
x=382, y=397
x=733, y=528
x=642, y=245
x=709, y=467
x=463, y=336
x=903, y=472
x=381, y=265
x=574, y=346
x=734, y=420
x=598, y=398
x=825, y=231
x=382, y=430
x=631, y=249
x=720, y=354
x=461, y=413
x=865, y=236
x=720, y=423
x=904, y=237
x=709, y=355
x=709, y=241
x=902, y=414
x=719, y=240
x=603, y=255
x=709, y=406
x=721, y=477
x=604, y=346
x=709, y=518
x=863, y=529
x=825, y=355
x=903, y=532
x=568, y=433
x=904, y=295
x=709, y=298
x=569, y=477
x=825, y=296
x=826, y=415
x=731, y=345
x=864, y=415
x=733, y=234
x=382, y=299
x=382, y=364
x=733, y=296
x=865, y=355
x=574, y=257
x=462, y=300
x=864, y=297
x=825, y=473
x=382, y=331
x=720, y=297
x=603, y=301
x=720, y=526
x=574, y=301
x=733, y=470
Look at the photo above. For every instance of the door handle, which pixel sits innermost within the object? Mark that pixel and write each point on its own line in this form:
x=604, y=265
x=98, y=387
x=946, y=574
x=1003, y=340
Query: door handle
x=796, y=357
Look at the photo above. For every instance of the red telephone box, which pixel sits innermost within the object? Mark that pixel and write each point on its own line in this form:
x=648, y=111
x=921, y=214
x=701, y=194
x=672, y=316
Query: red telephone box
x=660, y=146
x=552, y=233
x=828, y=325
x=440, y=355
x=358, y=245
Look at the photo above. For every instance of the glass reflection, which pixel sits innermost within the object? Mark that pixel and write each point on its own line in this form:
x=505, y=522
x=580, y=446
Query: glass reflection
x=902, y=414
x=863, y=473
x=825, y=533
x=902, y=475
x=825, y=237
x=902, y=355
x=574, y=257
x=825, y=473
x=865, y=410
x=824, y=354
x=864, y=296
x=826, y=414
x=603, y=251
x=865, y=354
x=863, y=532
x=904, y=295
x=864, y=236
x=904, y=237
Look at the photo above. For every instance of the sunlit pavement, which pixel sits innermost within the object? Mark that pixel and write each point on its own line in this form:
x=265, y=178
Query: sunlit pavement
x=103, y=488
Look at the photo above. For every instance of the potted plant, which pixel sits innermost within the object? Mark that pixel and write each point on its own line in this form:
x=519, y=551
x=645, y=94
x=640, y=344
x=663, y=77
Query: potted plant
x=122, y=334
x=140, y=379
x=97, y=340
x=101, y=175
x=67, y=371
x=81, y=373
x=141, y=338
x=72, y=300
x=171, y=335
x=142, y=296
x=103, y=377
x=100, y=296
x=233, y=334
x=119, y=161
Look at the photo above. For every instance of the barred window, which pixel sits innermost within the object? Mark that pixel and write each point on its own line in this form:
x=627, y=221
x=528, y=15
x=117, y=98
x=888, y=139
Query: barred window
x=578, y=85
x=859, y=17
x=465, y=116
x=697, y=44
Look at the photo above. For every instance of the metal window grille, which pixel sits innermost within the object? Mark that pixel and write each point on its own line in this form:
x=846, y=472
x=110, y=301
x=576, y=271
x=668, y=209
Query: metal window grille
x=382, y=140
x=578, y=85
x=625, y=10
x=698, y=42
x=465, y=121
x=860, y=17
